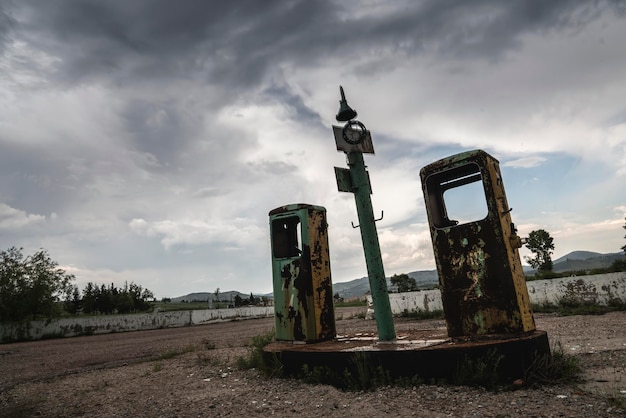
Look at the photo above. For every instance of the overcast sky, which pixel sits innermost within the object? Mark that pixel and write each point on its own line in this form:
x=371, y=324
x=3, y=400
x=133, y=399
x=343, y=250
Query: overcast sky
x=147, y=141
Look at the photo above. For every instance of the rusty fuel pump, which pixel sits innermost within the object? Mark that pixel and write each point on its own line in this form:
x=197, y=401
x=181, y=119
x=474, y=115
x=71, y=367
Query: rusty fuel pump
x=482, y=283
x=303, y=301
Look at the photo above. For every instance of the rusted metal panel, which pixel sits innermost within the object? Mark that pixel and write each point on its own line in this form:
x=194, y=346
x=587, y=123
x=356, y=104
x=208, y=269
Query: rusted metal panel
x=480, y=272
x=303, y=298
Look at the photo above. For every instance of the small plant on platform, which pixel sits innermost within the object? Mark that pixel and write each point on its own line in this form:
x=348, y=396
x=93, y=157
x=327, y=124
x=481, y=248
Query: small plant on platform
x=483, y=371
x=362, y=373
x=268, y=365
x=553, y=368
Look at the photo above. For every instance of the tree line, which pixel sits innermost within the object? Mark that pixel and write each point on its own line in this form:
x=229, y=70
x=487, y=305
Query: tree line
x=107, y=300
x=33, y=287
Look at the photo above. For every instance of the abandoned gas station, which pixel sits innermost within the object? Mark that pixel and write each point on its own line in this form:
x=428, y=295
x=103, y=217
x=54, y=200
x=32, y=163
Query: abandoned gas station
x=483, y=289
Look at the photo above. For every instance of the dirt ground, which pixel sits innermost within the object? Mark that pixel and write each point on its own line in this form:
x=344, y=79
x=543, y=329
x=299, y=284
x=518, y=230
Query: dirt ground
x=191, y=372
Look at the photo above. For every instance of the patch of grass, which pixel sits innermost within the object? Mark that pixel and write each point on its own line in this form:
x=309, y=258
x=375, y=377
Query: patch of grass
x=617, y=400
x=420, y=314
x=351, y=304
x=362, y=373
x=209, y=345
x=553, y=368
x=175, y=352
x=256, y=359
x=482, y=371
x=23, y=408
x=168, y=354
x=568, y=307
x=207, y=360
x=157, y=366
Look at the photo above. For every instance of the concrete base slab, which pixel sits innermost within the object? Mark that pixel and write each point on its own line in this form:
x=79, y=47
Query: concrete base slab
x=427, y=354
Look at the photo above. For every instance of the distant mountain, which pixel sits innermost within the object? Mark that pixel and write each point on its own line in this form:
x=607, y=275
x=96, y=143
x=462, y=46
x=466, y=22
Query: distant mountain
x=584, y=260
x=578, y=255
x=425, y=279
x=353, y=288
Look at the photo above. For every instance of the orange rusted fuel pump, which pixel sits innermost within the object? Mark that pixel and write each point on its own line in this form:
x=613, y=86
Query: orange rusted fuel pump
x=482, y=283
x=303, y=291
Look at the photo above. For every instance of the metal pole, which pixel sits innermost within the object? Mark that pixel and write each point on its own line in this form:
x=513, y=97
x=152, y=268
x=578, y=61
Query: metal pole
x=371, y=247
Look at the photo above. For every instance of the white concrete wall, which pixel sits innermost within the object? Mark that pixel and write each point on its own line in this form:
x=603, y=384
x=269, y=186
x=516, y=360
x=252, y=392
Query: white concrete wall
x=70, y=327
x=424, y=300
x=599, y=288
x=245, y=312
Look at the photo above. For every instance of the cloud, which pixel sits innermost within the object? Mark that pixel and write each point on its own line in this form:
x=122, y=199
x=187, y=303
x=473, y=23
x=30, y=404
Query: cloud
x=525, y=162
x=14, y=219
x=238, y=232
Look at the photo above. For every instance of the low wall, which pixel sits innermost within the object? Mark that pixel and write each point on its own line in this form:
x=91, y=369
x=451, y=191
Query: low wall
x=70, y=327
x=206, y=316
x=599, y=288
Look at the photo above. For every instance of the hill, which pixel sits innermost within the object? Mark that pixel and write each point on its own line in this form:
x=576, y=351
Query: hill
x=583, y=260
x=425, y=279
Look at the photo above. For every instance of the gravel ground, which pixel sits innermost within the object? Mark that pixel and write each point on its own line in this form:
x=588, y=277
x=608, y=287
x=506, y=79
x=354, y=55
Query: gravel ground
x=191, y=372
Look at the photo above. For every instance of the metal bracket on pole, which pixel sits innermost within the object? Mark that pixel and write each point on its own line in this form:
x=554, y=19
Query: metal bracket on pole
x=382, y=213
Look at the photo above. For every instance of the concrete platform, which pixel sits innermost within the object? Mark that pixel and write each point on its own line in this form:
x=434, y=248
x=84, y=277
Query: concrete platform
x=427, y=354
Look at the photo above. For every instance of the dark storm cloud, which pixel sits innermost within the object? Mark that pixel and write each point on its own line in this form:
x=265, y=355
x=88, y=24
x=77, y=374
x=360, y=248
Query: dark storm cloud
x=157, y=128
x=6, y=25
x=302, y=112
x=237, y=43
x=31, y=183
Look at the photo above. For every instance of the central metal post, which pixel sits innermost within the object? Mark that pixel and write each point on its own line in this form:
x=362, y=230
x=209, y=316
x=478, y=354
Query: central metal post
x=371, y=247
x=354, y=139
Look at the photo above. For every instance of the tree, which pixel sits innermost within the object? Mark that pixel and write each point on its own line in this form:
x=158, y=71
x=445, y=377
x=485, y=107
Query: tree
x=624, y=247
x=90, y=295
x=540, y=243
x=72, y=299
x=30, y=286
x=403, y=282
